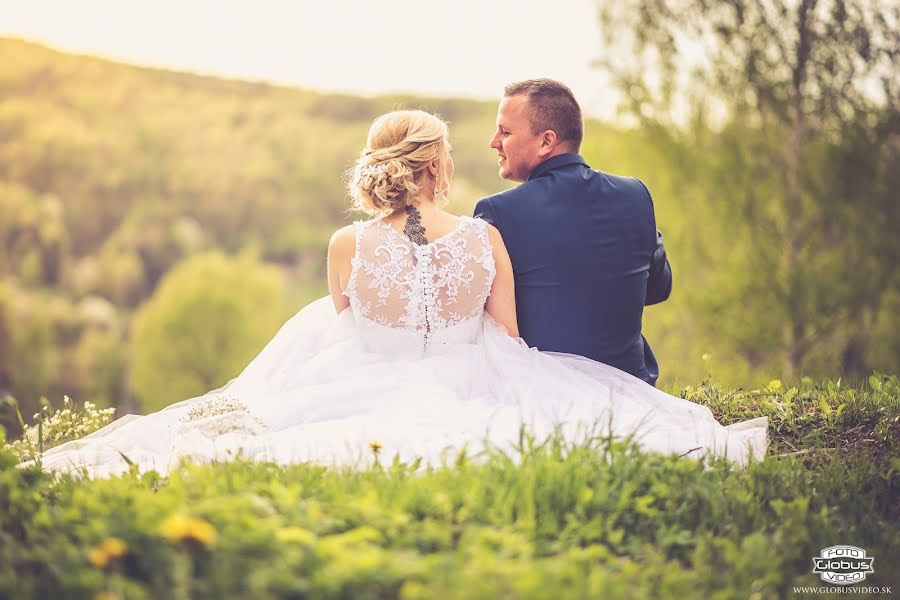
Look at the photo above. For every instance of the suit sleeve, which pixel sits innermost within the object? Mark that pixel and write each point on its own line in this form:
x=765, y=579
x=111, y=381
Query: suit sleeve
x=659, y=286
x=485, y=210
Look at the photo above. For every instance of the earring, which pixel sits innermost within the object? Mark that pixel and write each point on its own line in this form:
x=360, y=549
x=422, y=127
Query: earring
x=438, y=193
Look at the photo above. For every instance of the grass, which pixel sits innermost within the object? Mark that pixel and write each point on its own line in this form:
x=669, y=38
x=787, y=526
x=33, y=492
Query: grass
x=816, y=419
x=590, y=520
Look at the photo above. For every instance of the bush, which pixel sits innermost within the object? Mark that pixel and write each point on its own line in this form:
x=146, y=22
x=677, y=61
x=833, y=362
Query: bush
x=209, y=317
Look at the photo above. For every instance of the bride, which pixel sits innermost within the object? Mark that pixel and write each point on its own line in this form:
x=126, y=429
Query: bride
x=415, y=353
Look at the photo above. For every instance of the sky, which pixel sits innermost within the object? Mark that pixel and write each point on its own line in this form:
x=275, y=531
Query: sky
x=458, y=48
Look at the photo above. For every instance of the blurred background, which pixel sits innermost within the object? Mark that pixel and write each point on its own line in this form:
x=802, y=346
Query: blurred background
x=171, y=172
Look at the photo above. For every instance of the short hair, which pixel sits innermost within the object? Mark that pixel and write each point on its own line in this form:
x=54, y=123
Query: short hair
x=553, y=106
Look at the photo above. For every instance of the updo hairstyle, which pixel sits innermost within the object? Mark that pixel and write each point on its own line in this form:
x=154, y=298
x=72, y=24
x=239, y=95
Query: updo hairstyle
x=389, y=172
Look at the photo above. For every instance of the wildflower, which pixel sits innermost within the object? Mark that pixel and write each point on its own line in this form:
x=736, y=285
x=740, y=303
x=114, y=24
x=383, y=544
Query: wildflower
x=774, y=385
x=53, y=427
x=375, y=446
x=179, y=528
x=106, y=551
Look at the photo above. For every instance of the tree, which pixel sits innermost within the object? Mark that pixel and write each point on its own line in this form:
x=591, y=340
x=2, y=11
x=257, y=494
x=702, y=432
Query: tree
x=33, y=237
x=782, y=116
x=209, y=317
x=28, y=353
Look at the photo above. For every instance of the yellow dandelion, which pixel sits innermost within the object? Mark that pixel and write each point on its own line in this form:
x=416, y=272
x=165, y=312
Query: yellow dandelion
x=98, y=558
x=106, y=551
x=375, y=446
x=105, y=596
x=179, y=528
x=774, y=385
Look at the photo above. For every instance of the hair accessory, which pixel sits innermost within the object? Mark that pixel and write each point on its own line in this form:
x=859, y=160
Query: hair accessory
x=373, y=169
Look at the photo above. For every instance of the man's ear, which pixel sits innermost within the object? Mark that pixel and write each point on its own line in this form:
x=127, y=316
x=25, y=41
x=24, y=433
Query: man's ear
x=549, y=142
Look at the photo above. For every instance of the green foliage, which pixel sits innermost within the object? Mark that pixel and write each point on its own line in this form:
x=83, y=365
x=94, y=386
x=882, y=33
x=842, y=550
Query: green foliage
x=29, y=341
x=591, y=519
x=33, y=235
x=6, y=338
x=815, y=419
x=49, y=347
x=210, y=315
x=785, y=133
x=99, y=358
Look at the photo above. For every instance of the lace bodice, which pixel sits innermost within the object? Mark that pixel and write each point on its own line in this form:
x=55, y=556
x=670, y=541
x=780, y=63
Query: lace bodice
x=411, y=299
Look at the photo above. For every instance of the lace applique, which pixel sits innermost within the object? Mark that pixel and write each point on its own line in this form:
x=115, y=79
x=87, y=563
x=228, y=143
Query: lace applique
x=219, y=415
x=413, y=228
x=486, y=252
x=453, y=273
x=421, y=288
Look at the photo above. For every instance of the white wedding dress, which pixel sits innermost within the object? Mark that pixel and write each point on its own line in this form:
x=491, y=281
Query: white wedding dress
x=414, y=364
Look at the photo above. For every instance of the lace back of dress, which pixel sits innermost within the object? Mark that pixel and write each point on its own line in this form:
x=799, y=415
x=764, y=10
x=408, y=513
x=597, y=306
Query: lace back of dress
x=426, y=288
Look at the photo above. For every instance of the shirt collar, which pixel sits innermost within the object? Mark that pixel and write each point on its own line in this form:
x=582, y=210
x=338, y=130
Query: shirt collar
x=560, y=160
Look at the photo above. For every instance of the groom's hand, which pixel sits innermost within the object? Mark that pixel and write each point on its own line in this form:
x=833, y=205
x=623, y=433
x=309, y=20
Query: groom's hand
x=659, y=285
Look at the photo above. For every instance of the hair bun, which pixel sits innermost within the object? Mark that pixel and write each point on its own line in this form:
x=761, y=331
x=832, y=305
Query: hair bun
x=401, y=145
x=385, y=186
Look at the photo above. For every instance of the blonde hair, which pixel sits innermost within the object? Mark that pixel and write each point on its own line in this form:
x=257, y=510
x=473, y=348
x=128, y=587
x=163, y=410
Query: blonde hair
x=400, y=146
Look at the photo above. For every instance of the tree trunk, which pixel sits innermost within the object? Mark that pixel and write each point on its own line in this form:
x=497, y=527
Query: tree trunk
x=794, y=163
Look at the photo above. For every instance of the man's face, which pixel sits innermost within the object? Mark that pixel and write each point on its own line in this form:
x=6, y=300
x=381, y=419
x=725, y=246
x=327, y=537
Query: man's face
x=517, y=146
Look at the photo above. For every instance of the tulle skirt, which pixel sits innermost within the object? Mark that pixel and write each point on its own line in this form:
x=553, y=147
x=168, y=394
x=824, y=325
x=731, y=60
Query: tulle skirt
x=317, y=392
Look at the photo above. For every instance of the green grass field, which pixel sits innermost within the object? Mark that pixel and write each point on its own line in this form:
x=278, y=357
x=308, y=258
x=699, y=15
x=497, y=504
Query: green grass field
x=595, y=520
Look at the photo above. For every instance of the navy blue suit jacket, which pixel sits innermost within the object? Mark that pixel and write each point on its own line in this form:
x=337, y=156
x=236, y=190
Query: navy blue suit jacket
x=587, y=257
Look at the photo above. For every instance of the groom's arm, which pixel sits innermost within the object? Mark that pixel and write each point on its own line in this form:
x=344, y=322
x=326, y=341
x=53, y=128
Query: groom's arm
x=659, y=286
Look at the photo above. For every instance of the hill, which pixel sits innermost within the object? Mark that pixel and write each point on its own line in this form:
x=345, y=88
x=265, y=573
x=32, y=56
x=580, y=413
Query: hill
x=111, y=174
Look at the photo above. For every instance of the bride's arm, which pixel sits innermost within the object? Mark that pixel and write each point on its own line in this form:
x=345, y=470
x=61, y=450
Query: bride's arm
x=340, y=253
x=501, y=303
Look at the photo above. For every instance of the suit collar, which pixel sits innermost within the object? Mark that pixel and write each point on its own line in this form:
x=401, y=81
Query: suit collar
x=560, y=160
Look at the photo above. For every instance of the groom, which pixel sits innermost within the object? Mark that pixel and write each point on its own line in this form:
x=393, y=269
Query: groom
x=585, y=250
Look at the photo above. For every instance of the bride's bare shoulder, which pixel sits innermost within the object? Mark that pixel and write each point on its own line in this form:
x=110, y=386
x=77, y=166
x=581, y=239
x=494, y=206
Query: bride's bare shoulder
x=494, y=235
x=343, y=242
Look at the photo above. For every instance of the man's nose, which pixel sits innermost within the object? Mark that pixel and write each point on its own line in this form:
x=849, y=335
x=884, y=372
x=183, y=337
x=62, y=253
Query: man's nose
x=494, y=143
